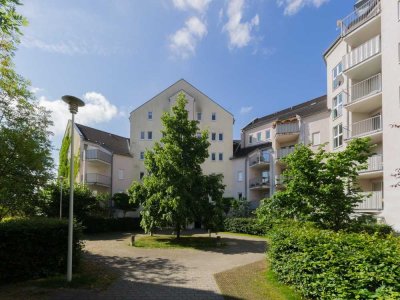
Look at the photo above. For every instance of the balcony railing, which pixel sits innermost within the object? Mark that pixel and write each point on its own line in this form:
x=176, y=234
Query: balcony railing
x=362, y=53
x=287, y=128
x=375, y=163
x=365, y=88
x=373, y=201
x=260, y=157
x=98, y=179
x=367, y=126
x=360, y=16
x=258, y=182
x=284, y=152
x=96, y=154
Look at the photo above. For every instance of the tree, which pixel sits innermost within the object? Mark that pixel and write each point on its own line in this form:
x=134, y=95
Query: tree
x=122, y=202
x=175, y=191
x=25, y=148
x=320, y=186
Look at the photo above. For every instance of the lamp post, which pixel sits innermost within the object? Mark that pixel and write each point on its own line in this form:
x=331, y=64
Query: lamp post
x=73, y=104
x=60, y=178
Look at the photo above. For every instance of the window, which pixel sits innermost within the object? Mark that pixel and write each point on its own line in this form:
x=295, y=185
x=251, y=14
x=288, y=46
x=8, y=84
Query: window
x=142, y=135
x=214, y=116
x=258, y=136
x=240, y=196
x=337, y=136
x=120, y=174
x=268, y=134
x=150, y=115
x=213, y=136
x=149, y=135
x=199, y=116
x=250, y=139
x=213, y=156
x=141, y=175
x=337, y=106
x=142, y=155
x=221, y=156
x=221, y=136
x=316, y=138
x=336, y=72
x=240, y=176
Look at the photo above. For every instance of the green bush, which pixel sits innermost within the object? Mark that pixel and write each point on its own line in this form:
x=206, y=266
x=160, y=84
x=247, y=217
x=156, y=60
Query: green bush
x=244, y=225
x=368, y=224
x=323, y=264
x=33, y=248
x=98, y=224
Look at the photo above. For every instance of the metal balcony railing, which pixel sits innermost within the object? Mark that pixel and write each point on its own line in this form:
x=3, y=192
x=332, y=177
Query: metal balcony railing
x=98, y=179
x=97, y=154
x=260, y=157
x=360, y=16
x=373, y=201
x=375, y=163
x=365, y=88
x=366, y=126
x=362, y=53
x=284, y=152
x=259, y=182
x=287, y=128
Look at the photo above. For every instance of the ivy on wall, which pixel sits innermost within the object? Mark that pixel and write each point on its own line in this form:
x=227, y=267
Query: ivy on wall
x=63, y=169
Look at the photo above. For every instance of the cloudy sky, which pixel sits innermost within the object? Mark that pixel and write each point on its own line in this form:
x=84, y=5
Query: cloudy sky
x=253, y=57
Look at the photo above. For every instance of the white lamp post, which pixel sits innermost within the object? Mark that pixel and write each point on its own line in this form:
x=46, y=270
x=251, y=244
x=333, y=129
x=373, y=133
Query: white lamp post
x=73, y=104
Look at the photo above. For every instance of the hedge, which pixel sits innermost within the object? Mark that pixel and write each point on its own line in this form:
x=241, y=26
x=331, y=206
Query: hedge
x=34, y=248
x=98, y=224
x=323, y=264
x=244, y=225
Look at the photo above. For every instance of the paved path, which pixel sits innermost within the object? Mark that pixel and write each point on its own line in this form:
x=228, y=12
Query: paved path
x=165, y=273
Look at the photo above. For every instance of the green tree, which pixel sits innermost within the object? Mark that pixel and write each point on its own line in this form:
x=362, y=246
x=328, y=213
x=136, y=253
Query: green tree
x=122, y=202
x=25, y=148
x=175, y=191
x=320, y=186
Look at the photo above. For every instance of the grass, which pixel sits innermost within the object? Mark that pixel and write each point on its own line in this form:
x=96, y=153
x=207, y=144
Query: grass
x=254, y=281
x=245, y=234
x=88, y=276
x=169, y=241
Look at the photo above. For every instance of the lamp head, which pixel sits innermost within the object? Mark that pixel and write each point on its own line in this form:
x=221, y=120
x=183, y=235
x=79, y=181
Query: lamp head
x=73, y=103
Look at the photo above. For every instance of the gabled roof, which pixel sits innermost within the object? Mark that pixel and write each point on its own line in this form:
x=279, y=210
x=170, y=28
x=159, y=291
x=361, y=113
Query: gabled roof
x=239, y=152
x=112, y=142
x=314, y=106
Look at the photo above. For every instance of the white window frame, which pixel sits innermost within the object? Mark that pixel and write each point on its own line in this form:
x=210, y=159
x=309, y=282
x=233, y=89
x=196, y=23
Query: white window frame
x=220, y=136
x=150, y=133
x=337, y=106
x=141, y=155
x=199, y=116
x=259, y=136
x=213, y=136
x=268, y=134
x=316, y=134
x=142, y=135
x=240, y=176
x=213, y=156
x=149, y=115
x=120, y=174
x=214, y=116
x=338, y=69
x=338, y=136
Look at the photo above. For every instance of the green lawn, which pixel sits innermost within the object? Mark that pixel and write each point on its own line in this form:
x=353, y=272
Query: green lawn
x=245, y=234
x=253, y=282
x=170, y=241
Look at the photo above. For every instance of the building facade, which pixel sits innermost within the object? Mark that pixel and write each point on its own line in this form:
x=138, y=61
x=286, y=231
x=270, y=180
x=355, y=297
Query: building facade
x=363, y=86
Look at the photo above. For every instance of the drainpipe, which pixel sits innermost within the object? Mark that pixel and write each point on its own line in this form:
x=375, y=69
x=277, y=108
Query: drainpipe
x=111, y=186
x=272, y=172
x=245, y=177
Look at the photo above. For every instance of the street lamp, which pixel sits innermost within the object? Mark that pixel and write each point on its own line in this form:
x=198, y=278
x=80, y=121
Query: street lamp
x=60, y=178
x=73, y=104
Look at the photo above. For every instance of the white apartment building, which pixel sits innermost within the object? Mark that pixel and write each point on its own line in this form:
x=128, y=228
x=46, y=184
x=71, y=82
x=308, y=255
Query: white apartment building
x=363, y=91
x=146, y=126
x=257, y=164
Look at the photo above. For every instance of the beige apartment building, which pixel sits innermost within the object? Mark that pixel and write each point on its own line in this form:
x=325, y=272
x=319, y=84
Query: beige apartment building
x=363, y=86
x=257, y=158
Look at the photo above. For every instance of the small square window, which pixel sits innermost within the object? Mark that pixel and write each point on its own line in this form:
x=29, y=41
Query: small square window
x=149, y=135
x=150, y=115
x=221, y=136
x=213, y=156
x=142, y=155
x=214, y=116
x=213, y=136
x=199, y=116
x=220, y=156
x=268, y=134
x=316, y=138
x=142, y=135
x=141, y=175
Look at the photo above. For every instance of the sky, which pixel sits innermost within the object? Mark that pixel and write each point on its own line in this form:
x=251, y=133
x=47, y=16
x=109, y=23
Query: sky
x=253, y=57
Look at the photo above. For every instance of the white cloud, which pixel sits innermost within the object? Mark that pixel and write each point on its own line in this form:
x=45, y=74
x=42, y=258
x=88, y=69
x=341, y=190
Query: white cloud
x=97, y=109
x=292, y=7
x=35, y=89
x=246, y=109
x=240, y=33
x=200, y=6
x=183, y=42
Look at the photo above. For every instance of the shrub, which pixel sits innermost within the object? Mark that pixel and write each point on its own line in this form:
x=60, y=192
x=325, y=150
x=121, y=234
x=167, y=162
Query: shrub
x=323, y=264
x=368, y=224
x=244, y=225
x=97, y=224
x=33, y=248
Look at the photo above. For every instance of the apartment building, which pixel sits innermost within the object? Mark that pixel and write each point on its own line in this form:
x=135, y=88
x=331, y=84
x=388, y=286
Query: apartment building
x=146, y=126
x=363, y=86
x=103, y=159
x=257, y=158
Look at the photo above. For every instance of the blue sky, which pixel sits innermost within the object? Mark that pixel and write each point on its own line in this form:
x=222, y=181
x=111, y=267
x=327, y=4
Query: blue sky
x=253, y=57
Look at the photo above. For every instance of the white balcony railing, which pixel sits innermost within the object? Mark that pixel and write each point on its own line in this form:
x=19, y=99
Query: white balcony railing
x=97, y=154
x=365, y=88
x=375, y=163
x=284, y=152
x=362, y=53
x=258, y=182
x=287, y=128
x=367, y=126
x=260, y=157
x=360, y=16
x=98, y=179
x=372, y=201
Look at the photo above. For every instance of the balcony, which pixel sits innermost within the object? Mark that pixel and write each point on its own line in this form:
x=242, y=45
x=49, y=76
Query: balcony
x=366, y=96
x=373, y=201
x=260, y=159
x=98, y=155
x=98, y=179
x=259, y=183
x=279, y=181
x=371, y=127
x=283, y=152
x=354, y=62
x=374, y=168
x=360, y=16
x=287, y=132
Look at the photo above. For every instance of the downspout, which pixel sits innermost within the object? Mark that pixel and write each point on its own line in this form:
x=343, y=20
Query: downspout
x=245, y=177
x=272, y=173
